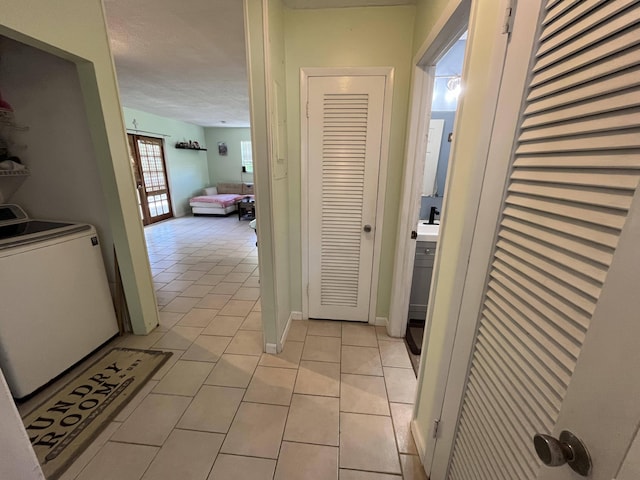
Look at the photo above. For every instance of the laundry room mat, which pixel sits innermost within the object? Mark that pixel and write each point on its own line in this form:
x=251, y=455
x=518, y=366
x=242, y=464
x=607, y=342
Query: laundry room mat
x=66, y=423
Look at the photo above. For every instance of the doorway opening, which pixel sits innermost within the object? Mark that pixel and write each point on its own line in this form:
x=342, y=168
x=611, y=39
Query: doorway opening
x=444, y=104
x=150, y=172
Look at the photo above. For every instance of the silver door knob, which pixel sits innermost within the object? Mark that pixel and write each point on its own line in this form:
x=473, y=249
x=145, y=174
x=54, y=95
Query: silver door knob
x=367, y=228
x=567, y=449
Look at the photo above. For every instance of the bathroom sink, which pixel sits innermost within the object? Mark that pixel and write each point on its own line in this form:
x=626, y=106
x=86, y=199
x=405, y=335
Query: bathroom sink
x=427, y=233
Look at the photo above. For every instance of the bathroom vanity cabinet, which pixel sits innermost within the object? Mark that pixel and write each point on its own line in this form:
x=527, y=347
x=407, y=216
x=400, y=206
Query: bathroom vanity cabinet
x=421, y=283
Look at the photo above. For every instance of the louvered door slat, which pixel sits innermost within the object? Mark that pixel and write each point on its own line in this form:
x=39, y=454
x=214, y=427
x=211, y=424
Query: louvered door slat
x=535, y=344
x=576, y=22
x=553, y=269
x=502, y=440
x=576, y=167
x=569, y=243
x=541, y=273
x=560, y=78
x=562, y=328
x=576, y=317
x=510, y=391
x=620, y=179
x=601, y=105
x=538, y=390
x=482, y=452
x=600, y=33
x=549, y=384
x=556, y=8
x=586, y=213
x=571, y=262
x=340, y=268
x=585, y=195
x=479, y=454
x=627, y=119
x=574, y=226
x=605, y=160
x=611, y=57
x=514, y=309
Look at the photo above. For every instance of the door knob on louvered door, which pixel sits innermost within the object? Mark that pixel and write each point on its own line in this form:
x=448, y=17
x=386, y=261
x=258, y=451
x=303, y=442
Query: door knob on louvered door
x=367, y=228
x=568, y=449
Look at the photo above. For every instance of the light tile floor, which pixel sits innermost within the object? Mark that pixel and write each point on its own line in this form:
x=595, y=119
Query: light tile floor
x=335, y=404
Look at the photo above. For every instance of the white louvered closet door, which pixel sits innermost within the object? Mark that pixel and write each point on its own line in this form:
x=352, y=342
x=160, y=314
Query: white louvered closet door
x=345, y=116
x=559, y=258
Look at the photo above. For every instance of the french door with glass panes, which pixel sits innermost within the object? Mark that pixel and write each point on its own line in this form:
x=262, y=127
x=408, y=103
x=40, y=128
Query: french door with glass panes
x=149, y=169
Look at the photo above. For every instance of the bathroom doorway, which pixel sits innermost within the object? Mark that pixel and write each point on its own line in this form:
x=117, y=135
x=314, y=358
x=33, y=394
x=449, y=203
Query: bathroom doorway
x=447, y=87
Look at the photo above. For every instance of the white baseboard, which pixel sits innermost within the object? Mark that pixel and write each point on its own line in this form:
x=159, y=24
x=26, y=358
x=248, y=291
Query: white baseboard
x=272, y=347
x=292, y=316
x=419, y=441
x=381, y=321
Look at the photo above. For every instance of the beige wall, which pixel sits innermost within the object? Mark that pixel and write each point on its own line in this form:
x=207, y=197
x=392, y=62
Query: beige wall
x=349, y=37
x=55, y=27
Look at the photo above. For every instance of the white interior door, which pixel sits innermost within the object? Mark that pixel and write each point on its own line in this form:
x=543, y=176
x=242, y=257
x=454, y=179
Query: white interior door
x=345, y=128
x=556, y=324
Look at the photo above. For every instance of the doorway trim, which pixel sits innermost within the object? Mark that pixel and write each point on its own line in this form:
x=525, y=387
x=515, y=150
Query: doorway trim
x=450, y=26
x=305, y=73
x=432, y=381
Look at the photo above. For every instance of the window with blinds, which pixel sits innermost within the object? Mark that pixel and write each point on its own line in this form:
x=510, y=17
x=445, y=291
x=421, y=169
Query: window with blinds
x=247, y=156
x=574, y=173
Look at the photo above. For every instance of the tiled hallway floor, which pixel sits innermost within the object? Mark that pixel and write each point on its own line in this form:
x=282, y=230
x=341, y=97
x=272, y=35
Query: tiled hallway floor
x=335, y=404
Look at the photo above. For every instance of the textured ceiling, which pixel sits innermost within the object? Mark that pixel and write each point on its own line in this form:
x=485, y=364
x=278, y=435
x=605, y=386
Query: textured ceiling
x=182, y=60
x=186, y=60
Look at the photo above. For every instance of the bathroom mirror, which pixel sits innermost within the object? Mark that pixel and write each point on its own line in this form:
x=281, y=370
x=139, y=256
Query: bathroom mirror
x=447, y=88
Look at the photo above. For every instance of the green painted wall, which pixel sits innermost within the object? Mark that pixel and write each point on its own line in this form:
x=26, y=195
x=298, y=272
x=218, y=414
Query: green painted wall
x=427, y=14
x=187, y=170
x=278, y=160
x=226, y=168
x=262, y=172
x=350, y=37
x=75, y=30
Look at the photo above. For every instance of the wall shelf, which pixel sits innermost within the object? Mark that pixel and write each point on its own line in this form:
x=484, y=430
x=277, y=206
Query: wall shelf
x=191, y=148
x=15, y=173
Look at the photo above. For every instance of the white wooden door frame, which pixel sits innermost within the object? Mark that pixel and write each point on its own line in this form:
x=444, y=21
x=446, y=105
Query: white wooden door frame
x=305, y=73
x=450, y=26
x=462, y=337
x=478, y=234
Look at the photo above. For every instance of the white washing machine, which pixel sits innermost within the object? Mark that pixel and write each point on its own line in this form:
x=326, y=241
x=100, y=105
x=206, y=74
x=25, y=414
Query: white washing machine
x=55, y=303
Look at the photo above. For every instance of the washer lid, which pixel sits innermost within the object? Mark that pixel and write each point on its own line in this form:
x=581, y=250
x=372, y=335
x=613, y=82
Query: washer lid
x=28, y=228
x=17, y=229
x=11, y=213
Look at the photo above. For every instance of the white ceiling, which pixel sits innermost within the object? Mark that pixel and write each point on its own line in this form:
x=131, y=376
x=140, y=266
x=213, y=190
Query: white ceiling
x=186, y=60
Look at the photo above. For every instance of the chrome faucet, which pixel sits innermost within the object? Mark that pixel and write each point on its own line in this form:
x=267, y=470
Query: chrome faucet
x=432, y=214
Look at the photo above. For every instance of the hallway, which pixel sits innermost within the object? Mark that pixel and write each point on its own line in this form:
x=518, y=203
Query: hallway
x=334, y=404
